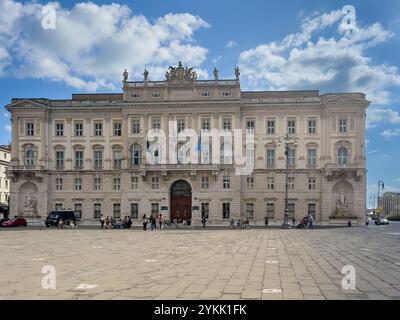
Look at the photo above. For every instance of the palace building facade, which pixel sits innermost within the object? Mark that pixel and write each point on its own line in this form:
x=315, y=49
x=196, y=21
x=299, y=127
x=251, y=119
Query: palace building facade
x=90, y=152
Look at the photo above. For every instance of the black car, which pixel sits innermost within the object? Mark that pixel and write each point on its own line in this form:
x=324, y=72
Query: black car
x=66, y=216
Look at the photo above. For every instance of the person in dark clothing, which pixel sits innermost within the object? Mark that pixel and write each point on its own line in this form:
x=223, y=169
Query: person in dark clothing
x=293, y=221
x=144, y=220
x=266, y=221
x=129, y=222
x=204, y=220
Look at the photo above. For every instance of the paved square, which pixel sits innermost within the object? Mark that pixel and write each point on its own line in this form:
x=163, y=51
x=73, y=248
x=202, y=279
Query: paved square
x=201, y=264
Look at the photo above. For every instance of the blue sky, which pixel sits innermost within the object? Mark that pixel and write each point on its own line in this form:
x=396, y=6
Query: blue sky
x=278, y=45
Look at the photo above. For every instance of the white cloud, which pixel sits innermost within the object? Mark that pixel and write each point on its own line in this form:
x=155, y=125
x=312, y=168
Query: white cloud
x=390, y=133
x=7, y=127
x=377, y=115
x=317, y=58
x=230, y=44
x=92, y=44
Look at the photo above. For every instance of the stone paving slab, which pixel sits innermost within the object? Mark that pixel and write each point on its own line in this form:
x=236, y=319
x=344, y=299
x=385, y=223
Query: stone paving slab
x=201, y=264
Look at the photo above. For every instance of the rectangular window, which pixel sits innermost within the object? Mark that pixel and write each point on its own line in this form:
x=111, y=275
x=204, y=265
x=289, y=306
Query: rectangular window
x=116, y=210
x=59, y=129
x=59, y=159
x=226, y=210
x=134, y=210
x=30, y=129
x=270, y=183
x=250, y=183
x=117, y=183
x=312, y=209
x=226, y=182
x=78, y=159
x=181, y=125
x=312, y=181
x=58, y=206
x=155, y=182
x=312, y=126
x=291, y=183
x=205, y=210
x=78, y=184
x=312, y=157
x=270, y=158
x=270, y=126
x=117, y=159
x=59, y=183
x=204, y=182
x=134, y=183
x=291, y=210
x=226, y=94
x=135, y=126
x=78, y=210
x=250, y=126
x=117, y=129
x=343, y=125
x=155, y=209
x=250, y=210
x=98, y=129
x=270, y=210
x=97, y=210
x=156, y=124
x=205, y=124
x=227, y=124
x=292, y=157
x=97, y=183
x=291, y=127
x=78, y=129
x=98, y=159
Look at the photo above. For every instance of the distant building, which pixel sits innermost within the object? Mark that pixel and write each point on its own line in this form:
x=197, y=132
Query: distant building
x=91, y=153
x=5, y=159
x=390, y=203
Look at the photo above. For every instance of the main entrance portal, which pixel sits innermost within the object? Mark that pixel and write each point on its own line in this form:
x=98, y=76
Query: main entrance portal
x=181, y=201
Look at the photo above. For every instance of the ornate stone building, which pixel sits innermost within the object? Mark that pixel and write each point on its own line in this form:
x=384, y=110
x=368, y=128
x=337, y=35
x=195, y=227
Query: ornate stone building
x=89, y=153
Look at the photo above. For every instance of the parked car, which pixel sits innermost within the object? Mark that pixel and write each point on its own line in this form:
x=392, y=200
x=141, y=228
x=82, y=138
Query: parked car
x=67, y=216
x=381, y=220
x=18, y=222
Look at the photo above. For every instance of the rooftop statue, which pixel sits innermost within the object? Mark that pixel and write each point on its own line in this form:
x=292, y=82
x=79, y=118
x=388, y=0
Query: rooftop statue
x=215, y=74
x=125, y=75
x=180, y=74
x=145, y=74
x=237, y=72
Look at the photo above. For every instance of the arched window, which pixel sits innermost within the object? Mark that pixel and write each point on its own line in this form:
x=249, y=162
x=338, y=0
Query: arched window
x=342, y=155
x=136, y=154
x=30, y=158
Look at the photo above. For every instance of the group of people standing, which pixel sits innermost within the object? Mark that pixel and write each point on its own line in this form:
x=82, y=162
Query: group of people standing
x=110, y=223
x=152, y=220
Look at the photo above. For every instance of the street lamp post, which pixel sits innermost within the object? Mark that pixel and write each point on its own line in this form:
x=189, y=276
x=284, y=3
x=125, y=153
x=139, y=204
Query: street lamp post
x=288, y=140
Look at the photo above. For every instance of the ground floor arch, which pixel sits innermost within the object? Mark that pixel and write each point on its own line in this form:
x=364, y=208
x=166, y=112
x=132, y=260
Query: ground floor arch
x=181, y=201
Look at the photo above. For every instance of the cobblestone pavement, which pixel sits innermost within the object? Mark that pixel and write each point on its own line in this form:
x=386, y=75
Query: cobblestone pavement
x=201, y=264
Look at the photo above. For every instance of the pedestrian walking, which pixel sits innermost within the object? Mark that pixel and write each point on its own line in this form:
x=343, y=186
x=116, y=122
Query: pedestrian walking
x=294, y=221
x=203, y=221
x=102, y=221
x=310, y=221
x=107, y=222
x=239, y=224
x=232, y=223
x=160, y=221
x=266, y=221
x=144, y=220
